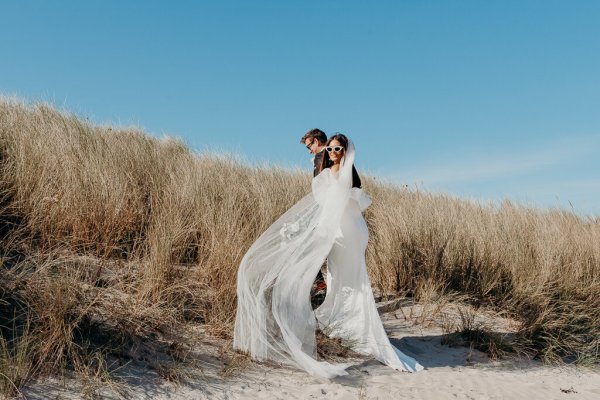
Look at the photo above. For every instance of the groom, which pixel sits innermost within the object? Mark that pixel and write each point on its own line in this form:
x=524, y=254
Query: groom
x=315, y=141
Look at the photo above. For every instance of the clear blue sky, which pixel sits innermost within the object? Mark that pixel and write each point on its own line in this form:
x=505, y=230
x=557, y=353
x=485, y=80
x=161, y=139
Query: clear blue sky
x=481, y=99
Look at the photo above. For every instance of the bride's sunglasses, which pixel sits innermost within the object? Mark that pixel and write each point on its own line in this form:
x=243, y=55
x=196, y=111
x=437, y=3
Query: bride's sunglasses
x=337, y=149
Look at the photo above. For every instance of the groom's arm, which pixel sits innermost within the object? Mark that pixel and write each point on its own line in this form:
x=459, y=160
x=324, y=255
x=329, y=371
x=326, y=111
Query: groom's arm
x=317, y=164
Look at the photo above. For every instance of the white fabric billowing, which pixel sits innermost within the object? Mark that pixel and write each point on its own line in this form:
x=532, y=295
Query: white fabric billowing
x=274, y=319
x=349, y=309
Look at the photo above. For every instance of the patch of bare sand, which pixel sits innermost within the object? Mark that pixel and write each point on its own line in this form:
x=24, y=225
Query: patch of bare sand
x=451, y=372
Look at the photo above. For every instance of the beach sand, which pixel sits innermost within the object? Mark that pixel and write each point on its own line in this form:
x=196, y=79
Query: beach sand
x=451, y=372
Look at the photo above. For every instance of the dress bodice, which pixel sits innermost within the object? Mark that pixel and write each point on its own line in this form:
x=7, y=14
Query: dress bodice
x=356, y=183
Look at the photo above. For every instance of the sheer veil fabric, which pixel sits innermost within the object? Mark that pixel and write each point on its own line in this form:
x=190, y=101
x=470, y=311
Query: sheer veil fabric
x=274, y=319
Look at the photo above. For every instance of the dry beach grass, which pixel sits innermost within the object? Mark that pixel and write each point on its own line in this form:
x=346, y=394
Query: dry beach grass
x=113, y=242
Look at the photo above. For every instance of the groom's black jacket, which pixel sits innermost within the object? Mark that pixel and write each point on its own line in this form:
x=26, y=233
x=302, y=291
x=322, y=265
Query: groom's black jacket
x=317, y=163
x=317, y=169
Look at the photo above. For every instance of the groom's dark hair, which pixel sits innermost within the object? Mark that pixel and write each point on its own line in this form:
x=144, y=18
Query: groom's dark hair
x=315, y=134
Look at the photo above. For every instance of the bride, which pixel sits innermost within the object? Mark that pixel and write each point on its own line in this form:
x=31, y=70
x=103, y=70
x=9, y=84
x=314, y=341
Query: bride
x=275, y=320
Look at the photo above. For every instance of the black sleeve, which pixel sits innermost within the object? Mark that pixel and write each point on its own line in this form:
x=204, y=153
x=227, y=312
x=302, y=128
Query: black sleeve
x=317, y=164
x=355, y=178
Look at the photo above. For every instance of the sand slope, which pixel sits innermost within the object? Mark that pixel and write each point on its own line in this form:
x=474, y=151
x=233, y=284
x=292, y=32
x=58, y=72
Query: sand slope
x=451, y=373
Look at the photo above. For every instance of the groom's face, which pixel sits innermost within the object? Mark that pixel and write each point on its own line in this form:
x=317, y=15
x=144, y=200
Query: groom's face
x=312, y=145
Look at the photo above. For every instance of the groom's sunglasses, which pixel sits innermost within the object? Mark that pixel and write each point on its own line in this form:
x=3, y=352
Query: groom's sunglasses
x=308, y=146
x=337, y=149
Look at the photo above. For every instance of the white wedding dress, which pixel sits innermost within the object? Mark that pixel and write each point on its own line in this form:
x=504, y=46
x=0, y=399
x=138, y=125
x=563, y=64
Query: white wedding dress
x=275, y=320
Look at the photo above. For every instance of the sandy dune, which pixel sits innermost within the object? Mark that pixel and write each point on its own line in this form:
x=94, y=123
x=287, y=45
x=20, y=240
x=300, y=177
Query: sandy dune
x=451, y=373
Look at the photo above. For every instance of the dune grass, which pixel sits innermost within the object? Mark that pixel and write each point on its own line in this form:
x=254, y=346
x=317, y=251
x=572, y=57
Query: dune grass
x=110, y=238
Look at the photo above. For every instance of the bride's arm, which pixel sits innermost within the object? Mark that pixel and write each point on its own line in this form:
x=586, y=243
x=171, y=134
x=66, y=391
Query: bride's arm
x=363, y=199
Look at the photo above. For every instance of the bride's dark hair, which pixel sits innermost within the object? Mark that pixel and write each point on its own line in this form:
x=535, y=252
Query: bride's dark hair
x=325, y=160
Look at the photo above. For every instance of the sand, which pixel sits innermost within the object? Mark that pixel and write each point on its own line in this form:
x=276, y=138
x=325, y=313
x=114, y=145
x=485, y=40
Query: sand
x=451, y=372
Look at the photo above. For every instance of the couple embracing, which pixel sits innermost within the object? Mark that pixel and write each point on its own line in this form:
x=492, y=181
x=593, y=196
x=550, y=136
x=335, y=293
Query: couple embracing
x=275, y=320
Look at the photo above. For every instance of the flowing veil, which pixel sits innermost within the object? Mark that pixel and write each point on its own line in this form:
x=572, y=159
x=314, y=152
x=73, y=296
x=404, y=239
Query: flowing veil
x=274, y=319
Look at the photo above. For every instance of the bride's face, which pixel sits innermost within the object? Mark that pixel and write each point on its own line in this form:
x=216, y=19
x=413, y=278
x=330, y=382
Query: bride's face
x=334, y=155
